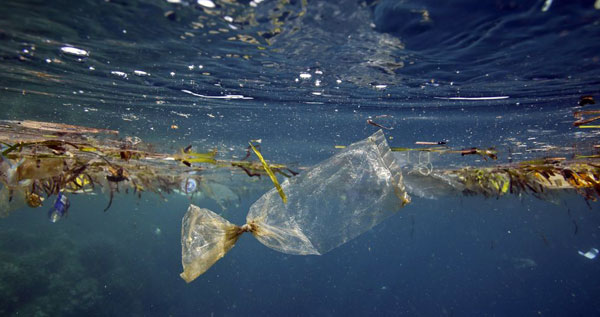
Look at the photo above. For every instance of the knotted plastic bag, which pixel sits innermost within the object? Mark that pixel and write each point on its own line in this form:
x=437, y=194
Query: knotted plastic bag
x=328, y=205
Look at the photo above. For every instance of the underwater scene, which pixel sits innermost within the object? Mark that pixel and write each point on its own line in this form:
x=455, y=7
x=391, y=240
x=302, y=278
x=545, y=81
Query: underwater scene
x=299, y=158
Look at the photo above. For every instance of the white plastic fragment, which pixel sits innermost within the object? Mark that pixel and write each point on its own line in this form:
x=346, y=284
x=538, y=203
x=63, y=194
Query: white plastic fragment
x=74, y=51
x=591, y=254
x=217, y=97
x=305, y=75
x=118, y=74
x=184, y=115
x=206, y=3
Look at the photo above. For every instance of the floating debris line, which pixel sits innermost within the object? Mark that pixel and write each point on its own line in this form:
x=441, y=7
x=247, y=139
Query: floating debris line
x=42, y=159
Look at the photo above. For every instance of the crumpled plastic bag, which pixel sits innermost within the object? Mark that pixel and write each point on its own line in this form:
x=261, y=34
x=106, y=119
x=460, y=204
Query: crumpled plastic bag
x=328, y=205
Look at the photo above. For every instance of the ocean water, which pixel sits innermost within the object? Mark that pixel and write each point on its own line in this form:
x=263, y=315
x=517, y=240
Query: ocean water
x=304, y=76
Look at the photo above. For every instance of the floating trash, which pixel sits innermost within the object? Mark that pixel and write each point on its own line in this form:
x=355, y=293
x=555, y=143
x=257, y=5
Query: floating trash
x=216, y=97
x=591, y=254
x=586, y=100
x=327, y=206
x=305, y=75
x=118, y=74
x=189, y=186
x=74, y=51
x=60, y=208
x=140, y=73
x=206, y=3
x=44, y=159
x=546, y=6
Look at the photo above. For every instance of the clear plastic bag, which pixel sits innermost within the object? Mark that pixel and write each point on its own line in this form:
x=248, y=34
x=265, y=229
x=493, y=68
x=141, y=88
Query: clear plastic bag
x=328, y=205
x=205, y=238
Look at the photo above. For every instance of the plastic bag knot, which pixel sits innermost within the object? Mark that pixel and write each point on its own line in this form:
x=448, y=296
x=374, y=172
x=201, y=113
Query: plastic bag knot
x=249, y=227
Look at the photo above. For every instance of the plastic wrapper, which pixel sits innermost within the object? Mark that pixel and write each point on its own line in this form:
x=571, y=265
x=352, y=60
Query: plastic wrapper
x=205, y=237
x=327, y=205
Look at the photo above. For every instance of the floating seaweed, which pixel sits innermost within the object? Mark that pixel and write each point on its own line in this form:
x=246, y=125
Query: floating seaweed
x=539, y=178
x=270, y=173
x=41, y=159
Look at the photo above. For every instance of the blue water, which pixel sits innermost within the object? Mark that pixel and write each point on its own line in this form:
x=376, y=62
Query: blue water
x=453, y=256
